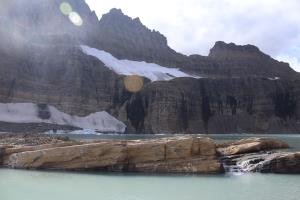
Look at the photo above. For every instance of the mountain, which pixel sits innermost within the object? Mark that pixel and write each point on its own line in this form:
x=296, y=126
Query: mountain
x=58, y=54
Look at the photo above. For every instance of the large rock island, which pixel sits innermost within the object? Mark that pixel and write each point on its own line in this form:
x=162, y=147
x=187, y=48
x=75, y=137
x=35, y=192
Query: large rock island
x=181, y=154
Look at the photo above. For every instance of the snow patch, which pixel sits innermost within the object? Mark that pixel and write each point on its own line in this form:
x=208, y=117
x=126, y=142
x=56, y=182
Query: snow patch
x=274, y=79
x=152, y=71
x=77, y=132
x=28, y=113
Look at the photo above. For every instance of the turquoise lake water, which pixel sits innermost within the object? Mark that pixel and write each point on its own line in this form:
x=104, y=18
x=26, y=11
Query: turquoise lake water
x=32, y=185
x=37, y=185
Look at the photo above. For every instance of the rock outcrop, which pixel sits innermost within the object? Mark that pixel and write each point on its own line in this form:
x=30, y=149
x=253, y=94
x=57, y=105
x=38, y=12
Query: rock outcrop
x=264, y=162
x=188, y=154
x=259, y=155
x=168, y=155
x=251, y=145
x=283, y=163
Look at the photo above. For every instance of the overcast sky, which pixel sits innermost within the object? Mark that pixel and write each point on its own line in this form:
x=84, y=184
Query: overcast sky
x=193, y=26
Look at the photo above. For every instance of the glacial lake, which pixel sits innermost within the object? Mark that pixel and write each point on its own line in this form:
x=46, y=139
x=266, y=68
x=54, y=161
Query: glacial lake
x=38, y=185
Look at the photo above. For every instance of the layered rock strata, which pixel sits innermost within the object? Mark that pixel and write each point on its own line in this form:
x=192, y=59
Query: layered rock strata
x=170, y=155
x=250, y=145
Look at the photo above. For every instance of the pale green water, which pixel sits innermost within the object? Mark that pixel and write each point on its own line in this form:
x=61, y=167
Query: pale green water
x=36, y=185
x=30, y=185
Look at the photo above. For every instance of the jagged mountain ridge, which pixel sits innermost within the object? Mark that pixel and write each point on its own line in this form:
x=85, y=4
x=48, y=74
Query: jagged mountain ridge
x=128, y=38
x=46, y=65
x=140, y=43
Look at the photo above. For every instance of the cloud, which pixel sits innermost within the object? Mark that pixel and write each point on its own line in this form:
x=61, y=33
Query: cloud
x=193, y=26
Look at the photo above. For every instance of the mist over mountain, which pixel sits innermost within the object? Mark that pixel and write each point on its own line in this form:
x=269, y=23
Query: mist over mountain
x=233, y=89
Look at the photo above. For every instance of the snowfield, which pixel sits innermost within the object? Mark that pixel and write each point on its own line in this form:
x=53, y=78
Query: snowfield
x=152, y=71
x=28, y=113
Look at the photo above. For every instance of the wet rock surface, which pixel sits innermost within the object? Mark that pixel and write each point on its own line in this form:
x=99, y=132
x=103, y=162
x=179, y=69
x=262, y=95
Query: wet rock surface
x=258, y=155
x=264, y=162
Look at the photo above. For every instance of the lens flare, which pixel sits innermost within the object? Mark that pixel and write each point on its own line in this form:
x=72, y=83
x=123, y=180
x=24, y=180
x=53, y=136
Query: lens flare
x=75, y=18
x=65, y=8
x=133, y=83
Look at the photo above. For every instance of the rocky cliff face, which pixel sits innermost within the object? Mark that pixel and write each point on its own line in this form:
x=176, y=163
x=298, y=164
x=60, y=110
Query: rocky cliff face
x=128, y=38
x=244, y=90
x=238, y=61
x=215, y=106
x=59, y=75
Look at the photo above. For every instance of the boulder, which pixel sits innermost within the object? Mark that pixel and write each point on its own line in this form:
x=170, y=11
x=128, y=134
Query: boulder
x=283, y=163
x=250, y=145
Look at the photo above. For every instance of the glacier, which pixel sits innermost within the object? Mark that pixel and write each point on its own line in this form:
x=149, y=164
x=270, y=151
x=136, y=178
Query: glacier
x=28, y=113
x=152, y=71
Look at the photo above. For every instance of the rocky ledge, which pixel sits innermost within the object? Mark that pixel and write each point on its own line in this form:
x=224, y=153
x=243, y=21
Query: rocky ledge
x=184, y=154
x=169, y=155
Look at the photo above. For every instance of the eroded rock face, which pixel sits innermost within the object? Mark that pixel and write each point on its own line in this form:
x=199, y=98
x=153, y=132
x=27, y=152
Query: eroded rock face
x=187, y=105
x=193, y=165
x=251, y=145
x=244, y=61
x=62, y=76
x=169, y=155
x=86, y=156
x=138, y=42
x=283, y=163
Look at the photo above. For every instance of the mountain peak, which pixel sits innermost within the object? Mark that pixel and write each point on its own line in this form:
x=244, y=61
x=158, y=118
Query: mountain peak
x=115, y=11
x=233, y=46
x=128, y=38
x=223, y=49
x=116, y=17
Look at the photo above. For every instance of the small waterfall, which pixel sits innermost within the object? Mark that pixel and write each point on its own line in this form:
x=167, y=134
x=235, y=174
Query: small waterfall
x=239, y=164
x=230, y=166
